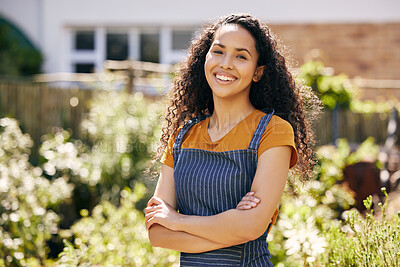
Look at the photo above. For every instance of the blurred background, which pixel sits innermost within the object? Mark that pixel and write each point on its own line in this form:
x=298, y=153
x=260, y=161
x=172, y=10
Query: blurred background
x=83, y=88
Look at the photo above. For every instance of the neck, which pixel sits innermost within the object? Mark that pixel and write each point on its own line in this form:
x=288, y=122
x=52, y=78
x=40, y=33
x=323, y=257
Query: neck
x=229, y=113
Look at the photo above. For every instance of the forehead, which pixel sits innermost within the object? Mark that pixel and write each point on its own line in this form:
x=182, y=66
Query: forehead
x=234, y=35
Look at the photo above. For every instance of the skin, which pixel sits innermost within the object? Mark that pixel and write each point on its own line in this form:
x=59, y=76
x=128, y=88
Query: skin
x=230, y=68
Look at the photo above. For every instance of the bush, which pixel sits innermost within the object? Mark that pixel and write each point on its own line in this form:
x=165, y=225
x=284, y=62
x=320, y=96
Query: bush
x=122, y=130
x=333, y=90
x=119, y=136
x=114, y=237
x=28, y=201
x=120, y=133
x=364, y=241
x=17, y=55
x=308, y=209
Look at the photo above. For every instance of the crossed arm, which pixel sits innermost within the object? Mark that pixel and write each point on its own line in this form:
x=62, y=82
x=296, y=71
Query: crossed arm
x=170, y=229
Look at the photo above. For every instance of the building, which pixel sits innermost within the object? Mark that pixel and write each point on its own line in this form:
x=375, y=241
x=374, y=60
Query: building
x=357, y=37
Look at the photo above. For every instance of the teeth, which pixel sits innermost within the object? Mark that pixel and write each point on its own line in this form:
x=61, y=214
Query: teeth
x=224, y=78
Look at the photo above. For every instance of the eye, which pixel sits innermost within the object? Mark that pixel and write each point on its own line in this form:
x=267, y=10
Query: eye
x=219, y=52
x=242, y=57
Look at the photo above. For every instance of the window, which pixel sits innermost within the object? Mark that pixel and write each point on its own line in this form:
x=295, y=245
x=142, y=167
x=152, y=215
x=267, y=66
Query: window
x=149, y=47
x=117, y=46
x=181, y=39
x=84, y=40
x=84, y=68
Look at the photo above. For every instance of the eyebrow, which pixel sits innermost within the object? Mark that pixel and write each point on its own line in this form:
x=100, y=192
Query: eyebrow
x=237, y=49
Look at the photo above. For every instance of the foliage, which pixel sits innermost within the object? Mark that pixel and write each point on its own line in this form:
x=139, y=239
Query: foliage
x=370, y=106
x=364, y=241
x=307, y=209
x=17, y=55
x=120, y=132
x=122, y=129
x=115, y=237
x=119, y=136
x=333, y=90
x=28, y=201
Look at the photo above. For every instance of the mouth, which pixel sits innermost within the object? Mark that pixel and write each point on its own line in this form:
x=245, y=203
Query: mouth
x=224, y=78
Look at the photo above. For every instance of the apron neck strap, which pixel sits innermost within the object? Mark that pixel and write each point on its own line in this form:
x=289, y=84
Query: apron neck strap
x=255, y=141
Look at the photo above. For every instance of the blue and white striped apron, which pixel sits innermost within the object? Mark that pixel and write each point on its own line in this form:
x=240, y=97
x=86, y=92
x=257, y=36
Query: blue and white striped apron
x=208, y=183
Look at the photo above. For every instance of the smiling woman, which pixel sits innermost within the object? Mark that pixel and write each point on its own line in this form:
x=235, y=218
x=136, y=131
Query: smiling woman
x=235, y=126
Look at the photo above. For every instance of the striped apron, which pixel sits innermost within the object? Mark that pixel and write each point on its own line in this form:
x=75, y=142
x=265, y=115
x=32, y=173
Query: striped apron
x=208, y=183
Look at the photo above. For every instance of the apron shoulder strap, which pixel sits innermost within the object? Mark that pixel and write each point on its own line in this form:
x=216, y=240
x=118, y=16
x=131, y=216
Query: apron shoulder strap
x=255, y=141
x=179, y=138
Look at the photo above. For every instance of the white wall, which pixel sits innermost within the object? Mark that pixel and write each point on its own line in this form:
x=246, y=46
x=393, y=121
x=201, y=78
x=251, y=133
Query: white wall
x=47, y=22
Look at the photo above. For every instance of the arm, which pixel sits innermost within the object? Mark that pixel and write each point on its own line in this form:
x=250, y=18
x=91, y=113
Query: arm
x=163, y=237
x=237, y=226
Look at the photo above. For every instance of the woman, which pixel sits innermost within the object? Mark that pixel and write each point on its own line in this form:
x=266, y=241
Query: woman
x=227, y=156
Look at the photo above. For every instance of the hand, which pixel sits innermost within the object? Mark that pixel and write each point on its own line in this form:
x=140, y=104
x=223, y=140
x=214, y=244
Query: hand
x=159, y=212
x=249, y=201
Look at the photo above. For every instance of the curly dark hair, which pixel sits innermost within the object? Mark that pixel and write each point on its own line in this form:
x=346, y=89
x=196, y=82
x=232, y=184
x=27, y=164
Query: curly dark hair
x=191, y=95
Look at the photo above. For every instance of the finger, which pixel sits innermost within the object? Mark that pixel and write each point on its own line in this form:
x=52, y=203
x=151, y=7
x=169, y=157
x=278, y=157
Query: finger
x=154, y=201
x=251, y=198
x=152, y=208
x=244, y=207
x=150, y=221
x=148, y=225
x=248, y=203
x=250, y=194
x=150, y=215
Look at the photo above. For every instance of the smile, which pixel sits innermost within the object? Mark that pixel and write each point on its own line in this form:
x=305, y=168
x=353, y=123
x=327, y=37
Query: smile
x=225, y=78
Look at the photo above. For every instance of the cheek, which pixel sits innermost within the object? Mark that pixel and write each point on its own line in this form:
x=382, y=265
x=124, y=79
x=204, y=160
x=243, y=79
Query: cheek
x=208, y=64
x=209, y=60
x=247, y=72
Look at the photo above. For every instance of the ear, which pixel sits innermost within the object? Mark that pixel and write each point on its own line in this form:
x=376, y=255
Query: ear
x=259, y=72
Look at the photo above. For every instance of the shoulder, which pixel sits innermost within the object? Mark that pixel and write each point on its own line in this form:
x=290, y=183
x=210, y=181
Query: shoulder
x=190, y=128
x=278, y=132
x=277, y=125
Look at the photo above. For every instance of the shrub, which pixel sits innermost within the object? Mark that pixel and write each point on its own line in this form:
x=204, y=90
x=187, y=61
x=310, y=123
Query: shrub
x=307, y=209
x=364, y=241
x=333, y=90
x=119, y=135
x=28, y=201
x=17, y=54
x=114, y=237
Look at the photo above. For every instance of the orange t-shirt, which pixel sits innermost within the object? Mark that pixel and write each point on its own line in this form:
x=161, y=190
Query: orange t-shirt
x=277, y=133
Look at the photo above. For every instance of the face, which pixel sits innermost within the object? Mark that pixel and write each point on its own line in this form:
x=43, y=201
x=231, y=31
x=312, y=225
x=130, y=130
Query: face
x=231, y=62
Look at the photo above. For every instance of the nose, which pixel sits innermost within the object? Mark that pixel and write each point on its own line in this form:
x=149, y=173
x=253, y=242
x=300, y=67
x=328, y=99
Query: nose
x=226, y=62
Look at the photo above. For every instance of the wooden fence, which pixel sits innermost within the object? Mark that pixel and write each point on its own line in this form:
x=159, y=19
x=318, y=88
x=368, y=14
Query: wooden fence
x=355, y=127
x=39, y=107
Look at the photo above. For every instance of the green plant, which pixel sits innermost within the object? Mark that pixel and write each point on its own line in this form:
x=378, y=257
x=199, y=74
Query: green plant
x=17, y=55
x=307, y=209
x=114, y=236
x=119, y=136
x=28, y=201
x=364, y=241
x=333, y=90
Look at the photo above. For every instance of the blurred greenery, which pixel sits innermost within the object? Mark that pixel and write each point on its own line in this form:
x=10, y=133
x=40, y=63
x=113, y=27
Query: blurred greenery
x=301, y=234
x=114, y=236
x=28, y=201
x=119, y=132
x=364, y=241
x=333, y=90
x=339, y=91
x=119, y=138
x=17, y=55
